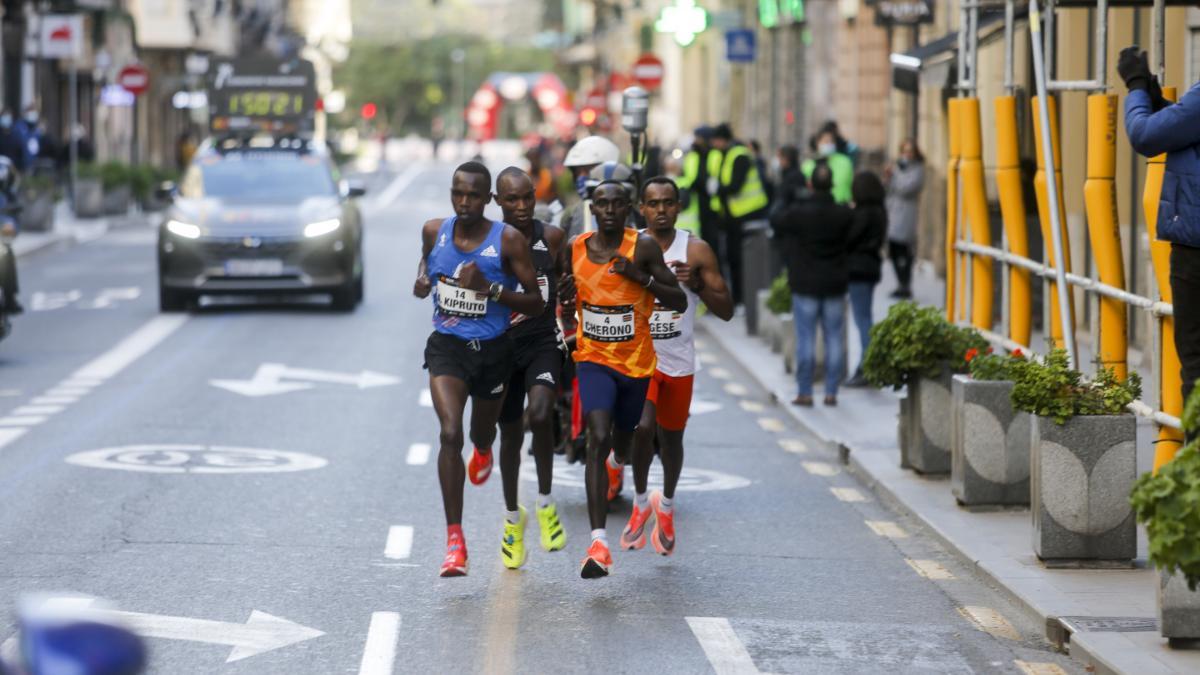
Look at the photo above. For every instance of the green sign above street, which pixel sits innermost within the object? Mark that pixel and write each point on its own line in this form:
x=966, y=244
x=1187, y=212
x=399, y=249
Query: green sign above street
x=772, y=12
x=685, y=20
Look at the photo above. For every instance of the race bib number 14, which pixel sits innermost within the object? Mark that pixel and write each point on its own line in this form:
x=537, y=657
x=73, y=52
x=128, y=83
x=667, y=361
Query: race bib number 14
x=607, y=324
x=455, y=301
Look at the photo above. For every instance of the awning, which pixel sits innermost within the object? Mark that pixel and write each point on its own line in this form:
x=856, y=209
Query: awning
x=930, y=63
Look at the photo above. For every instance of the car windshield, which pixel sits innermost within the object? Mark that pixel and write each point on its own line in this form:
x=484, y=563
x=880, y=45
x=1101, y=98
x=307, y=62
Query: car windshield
x=258, y=178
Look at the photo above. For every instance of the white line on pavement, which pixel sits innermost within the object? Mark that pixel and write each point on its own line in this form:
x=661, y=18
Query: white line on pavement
x=930, y=569
x=38, y=410
x=819, y=468
x=379, y=656
x=68, y=391
x=770, y=424
x=9, y=435
x=1039, y=668
x=990, y=621
x=418, y=453
x=736, y=389
x=752, y=406
x=76, y=381
x=25, y=421
x=133, y=347
x=399, y=542
x=794, y=445
x=398, y=185
x=726, y=653
x=848, y=494
x=426, y=399
x=720, y=373
x=886, y=528
x=54, y=400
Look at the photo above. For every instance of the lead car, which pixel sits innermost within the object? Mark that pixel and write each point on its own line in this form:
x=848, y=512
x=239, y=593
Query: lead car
x=260, y=216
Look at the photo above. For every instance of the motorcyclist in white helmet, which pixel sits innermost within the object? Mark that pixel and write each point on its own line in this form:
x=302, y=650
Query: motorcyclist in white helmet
x=582, y=158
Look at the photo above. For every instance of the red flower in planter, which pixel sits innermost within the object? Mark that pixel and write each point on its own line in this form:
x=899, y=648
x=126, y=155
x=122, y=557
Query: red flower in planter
x=971, y=353
x=1017, y=354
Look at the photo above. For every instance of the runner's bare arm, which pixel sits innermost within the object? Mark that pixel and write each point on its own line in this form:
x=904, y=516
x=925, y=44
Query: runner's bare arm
x=648, y=257
x=422, y=286
x=566, y=280
x=555, y=237
x=514, y=248
x=706, y=280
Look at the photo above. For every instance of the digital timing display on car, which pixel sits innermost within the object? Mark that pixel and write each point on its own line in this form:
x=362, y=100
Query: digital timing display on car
x=261, y=94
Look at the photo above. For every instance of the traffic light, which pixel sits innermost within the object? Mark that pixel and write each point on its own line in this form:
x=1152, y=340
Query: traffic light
x=369, y=110
x=588, y=116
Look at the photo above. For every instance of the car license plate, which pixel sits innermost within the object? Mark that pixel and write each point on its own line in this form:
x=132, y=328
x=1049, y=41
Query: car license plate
x=265, y=267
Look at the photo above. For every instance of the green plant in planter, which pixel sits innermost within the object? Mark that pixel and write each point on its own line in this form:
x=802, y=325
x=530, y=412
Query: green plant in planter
x=41, y=184
x=1167, y=502
x=142, y=181
x=1050, y=388
x=991, y=366
x=779, y=301
x=915, y=341
x=113, y=175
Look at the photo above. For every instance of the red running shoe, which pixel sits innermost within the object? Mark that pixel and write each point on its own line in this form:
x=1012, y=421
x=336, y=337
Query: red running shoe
x=616, y=479
x=663, y=536
x=455, y=562
x=480, y=466
x=598, y=562
x=634, y=534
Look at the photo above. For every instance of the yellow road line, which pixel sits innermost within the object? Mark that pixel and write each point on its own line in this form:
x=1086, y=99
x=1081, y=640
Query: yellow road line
x=848, y=494
x=820, y=468
x=793, y=445
x=1039, y=668
x=930, y=569
x=990, y=621
x=752, y=406
x=886, y=528
x=770, y=424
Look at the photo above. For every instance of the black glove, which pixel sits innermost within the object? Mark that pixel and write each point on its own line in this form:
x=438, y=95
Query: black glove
x=1157, y=102
x=1134, y=68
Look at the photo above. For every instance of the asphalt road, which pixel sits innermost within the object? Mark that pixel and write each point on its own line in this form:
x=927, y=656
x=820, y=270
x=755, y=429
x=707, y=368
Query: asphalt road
x=300, y=530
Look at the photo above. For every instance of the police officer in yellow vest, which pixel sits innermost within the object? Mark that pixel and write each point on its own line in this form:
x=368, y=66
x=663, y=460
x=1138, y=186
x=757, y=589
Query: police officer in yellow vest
x=691, y=182
x=741, y=198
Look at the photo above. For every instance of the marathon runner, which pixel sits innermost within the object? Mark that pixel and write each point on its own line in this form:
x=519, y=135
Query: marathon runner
x=472, y=265
x=617, y=273
x=670, y=394
x=537, y=371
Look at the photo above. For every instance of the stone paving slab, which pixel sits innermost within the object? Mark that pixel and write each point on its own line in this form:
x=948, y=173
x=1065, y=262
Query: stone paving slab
x=998, y=543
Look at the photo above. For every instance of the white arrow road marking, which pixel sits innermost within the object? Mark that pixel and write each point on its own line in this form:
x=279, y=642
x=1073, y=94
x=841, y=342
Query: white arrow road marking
x=418, y=453
x=399, y=542
x=261, y=633
x=268, y=380
x=379, y=655
x=726, y=653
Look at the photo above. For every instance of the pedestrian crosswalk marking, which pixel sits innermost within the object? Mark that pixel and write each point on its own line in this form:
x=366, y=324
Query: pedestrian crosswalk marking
x=848, y=494
x=1039, y=668
x=735, y=389
x=399, y=542
x=9, y=435
x=770, y=424
x=379, y=654
x=752, y=406
x=886, y=528
x=22, y=420
x=426, y=399
x=930, y=569
x=54, y=400
x=990, y=621
x=38, y=410
x=720, y=373
x=793, y=445
x=725, y=652
x=820, y=468
x=418, y=454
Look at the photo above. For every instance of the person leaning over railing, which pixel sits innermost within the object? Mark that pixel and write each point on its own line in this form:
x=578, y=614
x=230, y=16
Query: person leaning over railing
x=1154, y=126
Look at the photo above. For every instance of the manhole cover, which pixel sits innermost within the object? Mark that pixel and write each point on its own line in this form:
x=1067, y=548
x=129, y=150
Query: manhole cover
x=1109, y=624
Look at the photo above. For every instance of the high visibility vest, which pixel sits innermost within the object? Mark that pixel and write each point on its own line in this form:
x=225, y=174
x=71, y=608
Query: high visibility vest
x=843, y=175
x=689, y=216
x=752, y=197
x=715, y=157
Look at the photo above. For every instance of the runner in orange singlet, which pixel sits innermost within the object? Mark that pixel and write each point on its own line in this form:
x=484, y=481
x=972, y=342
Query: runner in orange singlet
x=617, y=274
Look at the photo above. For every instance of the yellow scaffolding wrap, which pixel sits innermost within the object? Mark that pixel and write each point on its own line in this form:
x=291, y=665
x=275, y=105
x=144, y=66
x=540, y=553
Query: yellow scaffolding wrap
x=974, y=196
x=954, y=145
x=1170, y=380
x=1043, y=200
x=1100, y=198
x=1012, y=210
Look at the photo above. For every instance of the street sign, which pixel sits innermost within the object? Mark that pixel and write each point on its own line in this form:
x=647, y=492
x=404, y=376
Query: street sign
x=134, y=78
x=648, y=72
x=269, y=379
x=903, y=12
x=740, y=46
x=60, y=36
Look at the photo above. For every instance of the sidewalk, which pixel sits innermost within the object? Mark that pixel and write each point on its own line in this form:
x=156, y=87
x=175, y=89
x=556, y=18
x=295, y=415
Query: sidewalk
x=68, y=228
x=1107, y=619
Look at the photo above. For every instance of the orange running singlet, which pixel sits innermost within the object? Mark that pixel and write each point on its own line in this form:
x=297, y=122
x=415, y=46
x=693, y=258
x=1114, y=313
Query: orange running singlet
x=613, y=313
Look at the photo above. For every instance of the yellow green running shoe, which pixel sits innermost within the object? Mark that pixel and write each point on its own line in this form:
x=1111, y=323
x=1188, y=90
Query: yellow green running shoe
x=512, y=546
x=553, y=535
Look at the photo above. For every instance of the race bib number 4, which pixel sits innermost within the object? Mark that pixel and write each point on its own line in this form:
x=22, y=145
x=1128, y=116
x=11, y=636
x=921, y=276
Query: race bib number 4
x=460, y=302
x=665, y=324
x=607, y=324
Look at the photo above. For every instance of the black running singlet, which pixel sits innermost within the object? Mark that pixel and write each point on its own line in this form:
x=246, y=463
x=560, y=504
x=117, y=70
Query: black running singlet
x=545, y=269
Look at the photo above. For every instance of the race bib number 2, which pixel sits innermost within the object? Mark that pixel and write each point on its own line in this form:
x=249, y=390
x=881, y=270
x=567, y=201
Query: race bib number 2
x=460, y=302
x=665, y=324
x=607, y=324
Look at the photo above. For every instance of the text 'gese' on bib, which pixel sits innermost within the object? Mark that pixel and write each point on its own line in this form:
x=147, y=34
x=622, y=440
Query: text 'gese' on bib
x=665, y=323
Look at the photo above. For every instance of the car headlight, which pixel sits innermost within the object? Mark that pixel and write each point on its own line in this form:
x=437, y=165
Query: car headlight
x=185, y=230
x=322, y=227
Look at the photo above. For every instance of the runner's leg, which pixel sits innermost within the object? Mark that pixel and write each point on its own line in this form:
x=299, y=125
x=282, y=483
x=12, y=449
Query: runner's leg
x=670, y=452
x=643, y=447
x=599, y=432
x=449, y=399
x=512, y=437
x=540, y=414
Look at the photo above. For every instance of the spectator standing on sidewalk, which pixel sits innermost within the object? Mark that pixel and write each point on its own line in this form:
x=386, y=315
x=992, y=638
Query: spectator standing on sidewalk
x=863, y=260
x=1156, y=126
x=905, y=180
x=702, y=184
x=825, y=145
x=11, y=144
x=817, y=229
x=791, y=184
x=760, y=163
x=741, y=200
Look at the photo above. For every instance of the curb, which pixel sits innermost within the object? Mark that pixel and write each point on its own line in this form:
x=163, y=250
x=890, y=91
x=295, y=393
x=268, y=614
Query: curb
x=42, y=243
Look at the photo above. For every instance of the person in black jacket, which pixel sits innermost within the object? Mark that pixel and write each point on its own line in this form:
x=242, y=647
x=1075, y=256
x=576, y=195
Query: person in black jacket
x=863, y=260
x=817, y=231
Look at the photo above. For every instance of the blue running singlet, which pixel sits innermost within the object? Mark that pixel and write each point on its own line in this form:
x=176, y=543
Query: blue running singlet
x=458, y=311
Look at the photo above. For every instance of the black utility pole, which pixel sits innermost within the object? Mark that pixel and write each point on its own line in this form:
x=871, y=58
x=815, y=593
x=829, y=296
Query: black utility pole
x=13, y=27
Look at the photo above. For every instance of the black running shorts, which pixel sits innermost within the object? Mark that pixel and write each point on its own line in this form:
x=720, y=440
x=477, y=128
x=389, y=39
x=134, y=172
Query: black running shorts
x=485, y=365
x=537, y=360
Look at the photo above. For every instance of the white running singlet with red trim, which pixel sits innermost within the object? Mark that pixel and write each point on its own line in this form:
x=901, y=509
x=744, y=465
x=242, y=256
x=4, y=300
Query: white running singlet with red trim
x=674, y=332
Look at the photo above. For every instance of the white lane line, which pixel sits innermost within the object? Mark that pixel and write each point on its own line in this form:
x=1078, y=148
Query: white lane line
x=770, y=424
x=990, y=621
x=735, y=389
x=886, y=528
x=418, y=454
x=38, y=410
x=399, y=542
x=54, y=400
x=752, y=406
x=84, y=382
x=426, y=399
x=820, y=468
x=726, y=653
x=398, y=185
x=25, y=421
x=379, y=656
x=708, y=358
x=720, y=373
x=74, y=392
x=1039, y=668
x=9, y=435
x=793, y=445
x=133, y=347
x=848, y=494
x=930, y=569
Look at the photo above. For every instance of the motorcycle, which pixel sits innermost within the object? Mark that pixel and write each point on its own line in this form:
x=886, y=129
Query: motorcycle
x=8, y=259
x=70, y=635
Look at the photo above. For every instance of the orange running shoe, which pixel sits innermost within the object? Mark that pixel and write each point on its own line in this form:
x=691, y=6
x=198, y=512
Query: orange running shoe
x=455, y=562
x=616, y=479
x=663, y=535
x=598, y=562
x=480, y=466
x=634, y=534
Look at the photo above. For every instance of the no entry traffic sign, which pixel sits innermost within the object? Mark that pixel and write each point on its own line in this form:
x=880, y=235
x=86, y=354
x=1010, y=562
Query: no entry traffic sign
x=134, y=78
x=648, y=72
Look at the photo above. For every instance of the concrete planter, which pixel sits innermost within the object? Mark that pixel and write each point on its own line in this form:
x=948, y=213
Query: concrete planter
x=1082, y=472
x=903, y=426
x=930, y=425
x=89, y=198
x=38, y=212
x=1178, y=608
x=754, y=324
x=989, y=455
x=117, y=200
x=787, y=330
x=768, y=328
